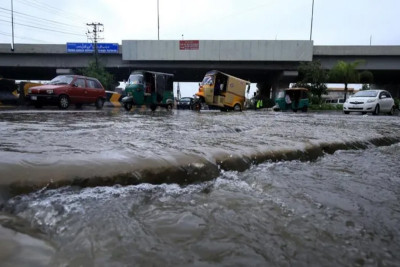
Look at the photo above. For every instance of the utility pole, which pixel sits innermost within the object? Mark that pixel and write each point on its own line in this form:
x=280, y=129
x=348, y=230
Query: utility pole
x=158, y=19
x=312, y=17
x=12, y=25
x=94, y=36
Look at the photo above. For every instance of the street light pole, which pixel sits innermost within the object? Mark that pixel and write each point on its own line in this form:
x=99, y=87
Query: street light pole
x=12, y=25
x=312, y=16
x=158, y=20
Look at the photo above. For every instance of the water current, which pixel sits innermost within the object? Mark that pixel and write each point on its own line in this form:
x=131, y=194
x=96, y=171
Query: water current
x=275, y=189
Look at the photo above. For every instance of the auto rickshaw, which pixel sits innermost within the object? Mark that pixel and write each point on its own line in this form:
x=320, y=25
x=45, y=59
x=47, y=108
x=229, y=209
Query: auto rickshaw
x=149, y=88
x=292, y=98
x=222, y=91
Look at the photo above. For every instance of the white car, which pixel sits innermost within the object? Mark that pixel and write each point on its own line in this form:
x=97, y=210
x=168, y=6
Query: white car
x=374, y=101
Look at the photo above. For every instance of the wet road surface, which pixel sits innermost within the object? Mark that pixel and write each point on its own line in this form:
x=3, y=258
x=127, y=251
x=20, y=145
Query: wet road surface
x=299, y=205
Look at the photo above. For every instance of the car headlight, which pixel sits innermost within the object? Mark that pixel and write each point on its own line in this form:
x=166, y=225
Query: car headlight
x=50, y=91
x=29, y=91
x=371, y=100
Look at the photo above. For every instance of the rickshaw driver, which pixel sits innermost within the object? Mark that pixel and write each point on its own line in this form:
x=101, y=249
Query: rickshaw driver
x=288, y=101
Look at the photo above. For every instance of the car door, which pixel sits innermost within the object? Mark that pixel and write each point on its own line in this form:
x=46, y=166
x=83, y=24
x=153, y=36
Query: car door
x=390, y=101
x=77, y=91
x=92, y=91
x=96, y=90
x=385, y=101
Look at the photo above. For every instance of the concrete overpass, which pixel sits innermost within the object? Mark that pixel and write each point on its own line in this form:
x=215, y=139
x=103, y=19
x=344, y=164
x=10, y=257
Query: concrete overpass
x=261, y=61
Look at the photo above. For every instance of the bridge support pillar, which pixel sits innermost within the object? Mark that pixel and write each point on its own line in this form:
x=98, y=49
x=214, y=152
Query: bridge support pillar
x=267, y=89
x=282, y=80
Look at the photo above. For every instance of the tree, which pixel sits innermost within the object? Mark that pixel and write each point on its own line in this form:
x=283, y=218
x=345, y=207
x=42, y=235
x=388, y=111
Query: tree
x=365, y=87
x=99, y=72
x=313, y=77
x=346, y=73
x=366, y=77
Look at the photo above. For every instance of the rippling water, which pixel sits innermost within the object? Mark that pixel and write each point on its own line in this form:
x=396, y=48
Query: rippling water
x=341, y=209
x=52, y=146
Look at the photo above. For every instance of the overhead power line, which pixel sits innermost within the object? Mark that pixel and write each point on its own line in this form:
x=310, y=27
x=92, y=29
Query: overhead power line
x=41, y=24
x=45, y=7
x=6, y=11
x=44, y=29
x=22, y=38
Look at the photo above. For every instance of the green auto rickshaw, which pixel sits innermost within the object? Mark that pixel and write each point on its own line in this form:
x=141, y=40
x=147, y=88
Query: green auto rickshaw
x=292, y=98
x=149, y=88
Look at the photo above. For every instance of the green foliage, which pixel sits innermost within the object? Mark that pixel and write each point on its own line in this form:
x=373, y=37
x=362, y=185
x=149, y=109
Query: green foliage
x=397, y=102
x=326, y=107
x=315, y=100
x=346, y=72
x=313, y=77
x=366, y=77
x=99, y=72
x=365, y=87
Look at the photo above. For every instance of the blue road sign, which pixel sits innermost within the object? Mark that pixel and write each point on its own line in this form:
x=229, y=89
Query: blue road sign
x=102, y=48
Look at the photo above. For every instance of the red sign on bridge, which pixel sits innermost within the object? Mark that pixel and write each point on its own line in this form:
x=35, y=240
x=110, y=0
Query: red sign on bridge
x=189, y=45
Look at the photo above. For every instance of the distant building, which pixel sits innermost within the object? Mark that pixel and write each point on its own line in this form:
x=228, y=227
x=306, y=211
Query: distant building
x=338, y=93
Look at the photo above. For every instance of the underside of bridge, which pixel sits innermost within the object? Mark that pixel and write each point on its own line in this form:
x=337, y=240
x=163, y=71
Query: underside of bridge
x=183, y=72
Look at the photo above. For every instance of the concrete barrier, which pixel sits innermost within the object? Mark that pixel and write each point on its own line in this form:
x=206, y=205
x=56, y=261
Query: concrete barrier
x=113, y=99
x=9, y=94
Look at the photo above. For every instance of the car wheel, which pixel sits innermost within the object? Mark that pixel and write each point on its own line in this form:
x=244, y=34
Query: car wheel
x=346, y=112
x=63, y=102
x=376, y=110
x=237, y=107
x=128, y=106
x=99, y=103
x=391, y=112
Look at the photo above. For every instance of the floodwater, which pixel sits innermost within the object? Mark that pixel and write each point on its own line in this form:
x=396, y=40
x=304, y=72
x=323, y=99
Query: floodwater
x=86, y=188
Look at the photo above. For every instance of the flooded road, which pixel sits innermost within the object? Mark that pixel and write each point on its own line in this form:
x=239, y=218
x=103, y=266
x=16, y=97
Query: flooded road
x=244, y=189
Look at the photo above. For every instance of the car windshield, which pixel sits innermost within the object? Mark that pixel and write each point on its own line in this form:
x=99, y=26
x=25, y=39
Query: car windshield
x=185, y=100
x=62, y=80
x=135, y=79
x=208, y=80
x=366, y=94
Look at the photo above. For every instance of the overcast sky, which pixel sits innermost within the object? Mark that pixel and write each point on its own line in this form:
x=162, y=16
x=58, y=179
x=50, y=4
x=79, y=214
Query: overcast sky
x=336, y=22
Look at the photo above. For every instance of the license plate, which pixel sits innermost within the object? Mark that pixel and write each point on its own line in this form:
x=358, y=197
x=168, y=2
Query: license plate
x=33, y=97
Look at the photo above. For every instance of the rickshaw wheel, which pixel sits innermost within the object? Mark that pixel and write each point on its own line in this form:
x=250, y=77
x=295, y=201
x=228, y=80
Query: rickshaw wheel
x=237, y=107
x=153, y=107
x=128, y=106
x=169, y=107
